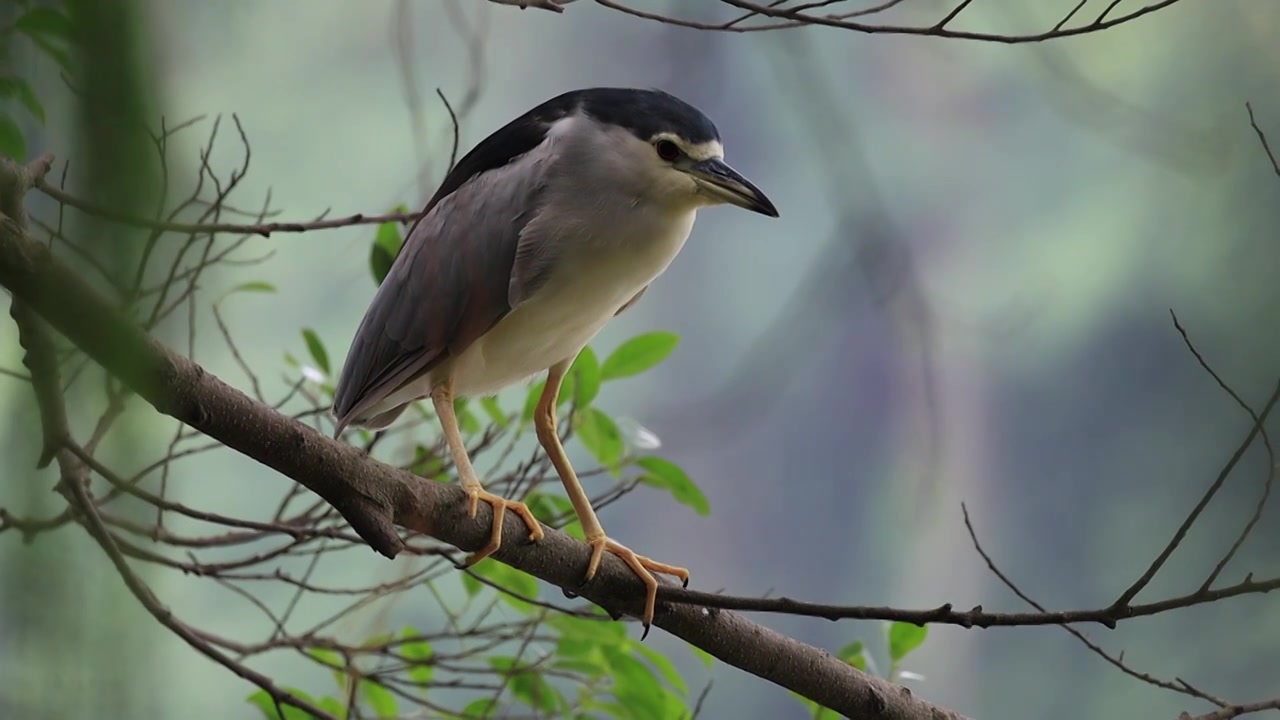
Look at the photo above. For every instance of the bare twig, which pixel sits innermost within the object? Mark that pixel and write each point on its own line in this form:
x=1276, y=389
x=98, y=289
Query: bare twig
x=1262, y=138
x=776, y=17
x=263, y=229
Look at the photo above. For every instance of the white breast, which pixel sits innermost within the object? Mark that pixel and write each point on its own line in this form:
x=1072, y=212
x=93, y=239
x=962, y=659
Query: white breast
x=585, y=291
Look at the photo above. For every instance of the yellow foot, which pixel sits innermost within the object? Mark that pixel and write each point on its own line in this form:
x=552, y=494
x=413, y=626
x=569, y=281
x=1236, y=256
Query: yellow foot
x=500, y=505
x=641, y=566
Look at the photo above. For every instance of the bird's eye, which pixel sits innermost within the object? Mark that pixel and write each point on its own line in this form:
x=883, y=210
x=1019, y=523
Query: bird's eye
x=667, y=150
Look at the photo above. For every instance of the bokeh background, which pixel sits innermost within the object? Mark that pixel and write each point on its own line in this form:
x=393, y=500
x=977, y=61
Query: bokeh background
x=965, y=299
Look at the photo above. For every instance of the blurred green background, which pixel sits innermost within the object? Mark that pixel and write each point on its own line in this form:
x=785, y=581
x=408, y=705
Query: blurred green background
x=965, y=299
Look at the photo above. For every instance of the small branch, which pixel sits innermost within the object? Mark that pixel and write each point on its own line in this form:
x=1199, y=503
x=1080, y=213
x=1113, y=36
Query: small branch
x=784, y=18
x=1235, y=711
x=952, y=15
x=1146, y=577
x=1117, y=661
x=263, y=229
x=1108, y=616
x=555, y=6
x=1262, y=138
x=1266, y=442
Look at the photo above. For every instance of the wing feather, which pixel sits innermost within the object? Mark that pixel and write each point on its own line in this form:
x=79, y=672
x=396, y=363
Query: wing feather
x=448, y=286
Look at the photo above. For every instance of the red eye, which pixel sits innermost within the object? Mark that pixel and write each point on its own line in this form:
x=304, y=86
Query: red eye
x=667, y=150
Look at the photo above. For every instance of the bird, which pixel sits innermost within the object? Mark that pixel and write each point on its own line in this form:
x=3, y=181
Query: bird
x=541, y=234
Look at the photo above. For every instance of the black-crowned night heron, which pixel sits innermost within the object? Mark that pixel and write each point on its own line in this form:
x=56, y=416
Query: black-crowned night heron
x=539, y=236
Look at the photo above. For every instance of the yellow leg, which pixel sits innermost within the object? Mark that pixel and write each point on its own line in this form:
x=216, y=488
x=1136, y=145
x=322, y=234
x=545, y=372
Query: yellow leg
x=545, y=424
x=442, y=397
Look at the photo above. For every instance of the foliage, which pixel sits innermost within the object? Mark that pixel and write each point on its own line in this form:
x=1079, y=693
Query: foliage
x=49, y=30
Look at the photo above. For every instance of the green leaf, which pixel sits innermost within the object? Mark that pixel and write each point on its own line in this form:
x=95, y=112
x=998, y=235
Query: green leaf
x=316, y=348
x=59, y=55
x=634, y=684
x=379, y=698
x=707, y=658
x=584, y=375
x=615, y=709
x=333, y=706
x=854, y=654
x=45, y=21
x=263, y=701
x=531, y=400
x=253, y=286
x=568, y=387
x=528, y=685
x=675, y=705
x=417, y=651
x=467, y=420
x=478, y=708
x=569, y=648
x=574, y=530
x=816, y=711
x=426, y=463
x=494, y=411
x=638, y=354
x=548, y=508
x=903, y=638
x=517, y=581
x=597, y=633
x=16, y=87
x=333, y=661
x=386, y=246
x=582, y=667
x=11, y=142
x=663, y=473
x=600, y=434
x=471, y=585
x=380, y=263
x=823, y=713
x=662, y=665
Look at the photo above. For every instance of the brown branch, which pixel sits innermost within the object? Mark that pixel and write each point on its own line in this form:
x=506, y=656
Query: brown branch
x=263, y=229
x=784, y=18
x=376, y=498
x=1181, y=532
x=1262, y=138
x=1234, y=711
x=1108, y=616
x=1117, y=661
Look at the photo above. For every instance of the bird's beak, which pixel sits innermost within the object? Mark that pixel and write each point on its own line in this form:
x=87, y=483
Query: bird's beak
x=718, y=179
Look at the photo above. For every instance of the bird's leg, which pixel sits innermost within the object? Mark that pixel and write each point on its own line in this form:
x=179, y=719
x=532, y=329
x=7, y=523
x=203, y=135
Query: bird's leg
x=442, y=396
x=545, y=424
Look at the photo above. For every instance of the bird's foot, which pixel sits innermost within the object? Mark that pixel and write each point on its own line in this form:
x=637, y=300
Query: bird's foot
x=641, y=566
x=475, y=494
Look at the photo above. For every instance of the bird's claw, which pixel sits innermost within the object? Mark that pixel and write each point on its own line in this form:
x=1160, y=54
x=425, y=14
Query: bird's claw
x=500, y=505
x=642, y=566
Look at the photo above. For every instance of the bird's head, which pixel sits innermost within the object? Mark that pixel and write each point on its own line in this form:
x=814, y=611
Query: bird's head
x=668, y=150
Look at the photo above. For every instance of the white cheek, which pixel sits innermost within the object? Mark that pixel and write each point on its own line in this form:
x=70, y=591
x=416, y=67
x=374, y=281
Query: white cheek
x=674, y=185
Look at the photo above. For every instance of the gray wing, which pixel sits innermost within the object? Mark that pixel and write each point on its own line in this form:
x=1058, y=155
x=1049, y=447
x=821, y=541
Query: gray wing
x=447, y=287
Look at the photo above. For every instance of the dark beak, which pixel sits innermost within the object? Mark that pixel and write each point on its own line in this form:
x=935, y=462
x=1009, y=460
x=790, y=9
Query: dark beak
x=716, y=178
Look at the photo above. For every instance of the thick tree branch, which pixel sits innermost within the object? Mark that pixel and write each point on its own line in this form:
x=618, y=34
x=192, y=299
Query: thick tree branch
x=375, y=498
